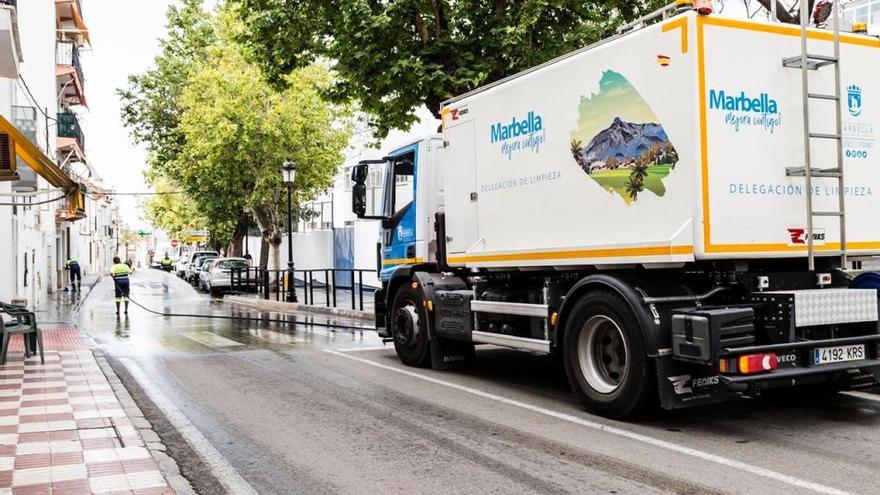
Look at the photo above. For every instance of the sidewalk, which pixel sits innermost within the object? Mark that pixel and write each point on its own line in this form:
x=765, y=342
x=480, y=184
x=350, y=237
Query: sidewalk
x=342, y=309
x=62, y=428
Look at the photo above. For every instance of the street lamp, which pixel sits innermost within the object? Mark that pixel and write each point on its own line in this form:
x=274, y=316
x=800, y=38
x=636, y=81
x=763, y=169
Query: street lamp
x=288, y=169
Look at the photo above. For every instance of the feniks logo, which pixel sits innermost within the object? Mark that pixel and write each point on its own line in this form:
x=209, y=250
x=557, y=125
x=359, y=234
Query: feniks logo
x=799, y=237
x=742, y=110
x=520, y=134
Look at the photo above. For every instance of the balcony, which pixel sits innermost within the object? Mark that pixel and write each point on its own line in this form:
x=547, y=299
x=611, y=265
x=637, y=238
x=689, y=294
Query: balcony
x=25, y=119
x=69, y=73
x=70, y=137
x=10, y=43
x=69, y=21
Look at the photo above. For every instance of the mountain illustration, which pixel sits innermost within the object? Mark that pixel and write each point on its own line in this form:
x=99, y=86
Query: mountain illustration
x=631, y=155
x=623, y=139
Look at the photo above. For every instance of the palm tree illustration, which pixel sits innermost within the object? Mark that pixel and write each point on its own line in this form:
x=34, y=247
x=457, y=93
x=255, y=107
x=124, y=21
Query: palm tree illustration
x=576, y=150
x=634, y=185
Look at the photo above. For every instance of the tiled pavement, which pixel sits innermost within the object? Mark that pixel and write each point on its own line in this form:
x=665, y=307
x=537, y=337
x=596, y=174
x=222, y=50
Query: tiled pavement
x=62, y=428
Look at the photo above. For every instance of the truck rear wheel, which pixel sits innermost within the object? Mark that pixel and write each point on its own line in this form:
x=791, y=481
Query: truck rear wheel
x=605, y=359
x=409, y=328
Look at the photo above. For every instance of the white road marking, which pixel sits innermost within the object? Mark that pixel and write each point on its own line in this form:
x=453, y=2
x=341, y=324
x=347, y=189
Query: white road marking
x=211, y=339
x=369, y=348
x=674, y=447
x=275, y=337
x=862, y=395
x=219, y=466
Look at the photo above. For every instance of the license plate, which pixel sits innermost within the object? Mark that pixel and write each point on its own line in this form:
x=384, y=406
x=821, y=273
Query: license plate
x=839, y=354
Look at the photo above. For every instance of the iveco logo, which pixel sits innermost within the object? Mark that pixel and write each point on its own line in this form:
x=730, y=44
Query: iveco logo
x=681, y=384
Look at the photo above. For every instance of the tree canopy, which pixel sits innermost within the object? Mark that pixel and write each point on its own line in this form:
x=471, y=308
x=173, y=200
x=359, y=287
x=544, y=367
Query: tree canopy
x=393, y=57
x=174, y=213
x=217, y=130
x=239, y=130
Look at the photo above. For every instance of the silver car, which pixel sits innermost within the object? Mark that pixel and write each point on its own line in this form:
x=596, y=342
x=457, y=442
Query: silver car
x=200, y=264
x=217, y=277
x=184, y=263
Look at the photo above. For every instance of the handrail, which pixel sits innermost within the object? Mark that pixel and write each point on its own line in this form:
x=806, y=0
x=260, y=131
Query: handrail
x=274, y=284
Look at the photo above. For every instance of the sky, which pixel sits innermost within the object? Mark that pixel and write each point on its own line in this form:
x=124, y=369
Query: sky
x=124, y=35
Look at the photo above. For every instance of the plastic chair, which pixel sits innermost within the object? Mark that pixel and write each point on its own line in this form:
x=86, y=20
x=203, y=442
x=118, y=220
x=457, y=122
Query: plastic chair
x=24, y=324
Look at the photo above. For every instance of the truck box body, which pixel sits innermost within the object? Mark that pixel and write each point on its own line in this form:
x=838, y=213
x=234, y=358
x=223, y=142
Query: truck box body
x=663, y=146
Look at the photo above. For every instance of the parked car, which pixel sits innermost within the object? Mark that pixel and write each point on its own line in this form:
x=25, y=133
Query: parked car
x=191, y=275
x=183, y=264
x=217, y=277
x=201, y=263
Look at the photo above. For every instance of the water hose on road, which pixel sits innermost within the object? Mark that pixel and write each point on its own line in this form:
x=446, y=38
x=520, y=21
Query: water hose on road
x=244, y=318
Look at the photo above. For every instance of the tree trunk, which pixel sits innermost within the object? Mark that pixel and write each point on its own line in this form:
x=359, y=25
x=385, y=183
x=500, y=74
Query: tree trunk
x=267, y=219
x=264, y=253
x=235, y=247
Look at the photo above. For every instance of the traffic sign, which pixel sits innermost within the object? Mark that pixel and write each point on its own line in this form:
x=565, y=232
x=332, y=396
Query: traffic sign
x=174, y=243
x=144, y=233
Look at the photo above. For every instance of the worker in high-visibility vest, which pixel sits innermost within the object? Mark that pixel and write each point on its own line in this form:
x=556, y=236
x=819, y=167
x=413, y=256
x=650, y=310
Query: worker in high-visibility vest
x=120, y=272
x=75, y=273
x=166, y=263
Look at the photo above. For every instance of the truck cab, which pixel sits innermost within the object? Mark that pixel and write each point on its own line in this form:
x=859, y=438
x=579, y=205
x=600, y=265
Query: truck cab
x=405, y=190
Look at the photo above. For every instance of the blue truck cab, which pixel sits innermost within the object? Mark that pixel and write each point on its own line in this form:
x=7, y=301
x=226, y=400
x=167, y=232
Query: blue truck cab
x=402, y=190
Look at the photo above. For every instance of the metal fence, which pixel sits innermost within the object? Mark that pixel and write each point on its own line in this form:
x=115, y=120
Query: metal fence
x=274, y=285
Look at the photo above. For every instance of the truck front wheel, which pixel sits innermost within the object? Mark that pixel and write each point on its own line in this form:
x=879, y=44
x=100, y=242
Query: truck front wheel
x=605, y=357
x=409, y=328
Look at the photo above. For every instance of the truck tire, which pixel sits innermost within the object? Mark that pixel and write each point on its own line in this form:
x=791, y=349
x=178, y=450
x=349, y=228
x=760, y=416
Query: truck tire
x=409, y=328
x=605, y=360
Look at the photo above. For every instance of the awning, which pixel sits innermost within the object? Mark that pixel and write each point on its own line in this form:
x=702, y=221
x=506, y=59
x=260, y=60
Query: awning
x=69, y=10
x=44, y=166
x=69, y=85
x=71, y=145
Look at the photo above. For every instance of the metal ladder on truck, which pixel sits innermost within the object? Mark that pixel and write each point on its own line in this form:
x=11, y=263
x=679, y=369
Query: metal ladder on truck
x=806, y=62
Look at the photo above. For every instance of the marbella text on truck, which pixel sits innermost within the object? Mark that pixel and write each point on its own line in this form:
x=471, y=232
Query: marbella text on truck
x=694, y=234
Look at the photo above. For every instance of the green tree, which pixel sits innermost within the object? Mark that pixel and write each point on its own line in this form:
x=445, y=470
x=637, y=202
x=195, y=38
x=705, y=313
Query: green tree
x=239, y=130
x=393, y=57
x=174, y=213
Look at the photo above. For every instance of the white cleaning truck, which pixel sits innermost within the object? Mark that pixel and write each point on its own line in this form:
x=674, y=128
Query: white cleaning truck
x=679, y=213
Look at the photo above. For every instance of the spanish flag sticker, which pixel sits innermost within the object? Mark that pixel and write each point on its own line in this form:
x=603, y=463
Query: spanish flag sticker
x=663, y=60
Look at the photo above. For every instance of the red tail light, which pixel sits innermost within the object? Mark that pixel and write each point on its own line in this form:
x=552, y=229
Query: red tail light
x=750, y=364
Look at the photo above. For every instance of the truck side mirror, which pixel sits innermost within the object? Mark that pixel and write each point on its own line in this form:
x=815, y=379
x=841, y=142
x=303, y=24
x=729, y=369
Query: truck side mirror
x=359, y=189
x=359, y=173
x=359, y=199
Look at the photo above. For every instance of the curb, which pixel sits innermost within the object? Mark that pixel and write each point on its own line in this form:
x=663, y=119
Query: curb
x=153, y=443
x=286, y=307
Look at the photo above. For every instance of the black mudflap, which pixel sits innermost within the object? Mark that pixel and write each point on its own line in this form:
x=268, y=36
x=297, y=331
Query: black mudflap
x=687, y=384
x=451, y=354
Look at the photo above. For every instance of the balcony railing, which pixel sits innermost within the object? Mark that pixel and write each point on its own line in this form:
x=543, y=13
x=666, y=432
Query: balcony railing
x=67, y=53
x=68, y=126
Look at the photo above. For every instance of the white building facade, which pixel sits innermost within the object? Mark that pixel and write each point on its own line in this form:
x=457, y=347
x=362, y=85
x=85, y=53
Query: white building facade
x=51, y=206
x=866, y=11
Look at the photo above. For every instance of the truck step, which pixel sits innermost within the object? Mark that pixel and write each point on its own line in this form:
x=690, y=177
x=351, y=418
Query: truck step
x=813, y=61
x=823, y=135
x=814, y=172
x=511, y=341
x=821, y=96
x=827, y=213
x=511, y=308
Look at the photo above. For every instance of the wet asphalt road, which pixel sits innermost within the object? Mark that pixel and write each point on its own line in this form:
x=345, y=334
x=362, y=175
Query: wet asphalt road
x=306, y=409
